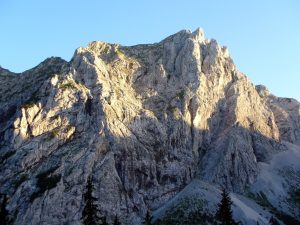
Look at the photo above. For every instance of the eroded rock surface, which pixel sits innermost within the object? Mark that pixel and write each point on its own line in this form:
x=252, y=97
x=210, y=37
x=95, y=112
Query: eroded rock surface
x=143, y=121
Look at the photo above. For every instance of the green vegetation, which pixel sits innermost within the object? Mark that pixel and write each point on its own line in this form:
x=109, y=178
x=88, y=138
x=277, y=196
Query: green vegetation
x=224, y=213
x=69, y=128
x=28, y=105
x=188, y=212
x=45, y=181
x=180, y=94
x=148, y=218
x=192, y=211
x=20, y=180
x=262, y=200
x=103, y=221
x=171, y=109
x=295, y=196
x=71, y=84
x=120, y=53
x=47, y=172
x=273, y=221
x=116, y=221
x=119, y=93
x=89, y=213
x=53, y=134
x=88, y=106
x=31, y=101
x=55, y=117
x=287, y=219
x=4, y=213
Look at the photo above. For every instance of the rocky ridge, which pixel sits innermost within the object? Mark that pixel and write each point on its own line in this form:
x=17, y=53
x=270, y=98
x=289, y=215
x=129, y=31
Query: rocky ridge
x=143, y=121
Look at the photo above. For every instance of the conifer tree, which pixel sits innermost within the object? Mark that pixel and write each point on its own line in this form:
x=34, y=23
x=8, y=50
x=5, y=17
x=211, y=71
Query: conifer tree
x=4, y=214
x=148, y=218
x=103, y=221
x=273, y=221
x=89, y=214
x=224, y=213
x=116, y=221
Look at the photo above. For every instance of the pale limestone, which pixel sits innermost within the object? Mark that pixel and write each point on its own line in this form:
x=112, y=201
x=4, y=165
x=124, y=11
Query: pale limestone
x=143, y=121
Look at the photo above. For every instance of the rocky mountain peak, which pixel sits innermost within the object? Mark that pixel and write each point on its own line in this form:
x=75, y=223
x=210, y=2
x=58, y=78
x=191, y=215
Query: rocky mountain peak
x=142, y=121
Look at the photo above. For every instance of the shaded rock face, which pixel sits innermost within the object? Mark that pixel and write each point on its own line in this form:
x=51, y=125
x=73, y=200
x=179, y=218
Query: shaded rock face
x=143, y=121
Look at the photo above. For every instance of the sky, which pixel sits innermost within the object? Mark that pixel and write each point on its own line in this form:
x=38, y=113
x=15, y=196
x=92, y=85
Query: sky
x=263, y=36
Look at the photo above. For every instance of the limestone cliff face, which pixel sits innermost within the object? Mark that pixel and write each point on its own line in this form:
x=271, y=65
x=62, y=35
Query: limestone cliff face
x=286, y=112
x=143, y=121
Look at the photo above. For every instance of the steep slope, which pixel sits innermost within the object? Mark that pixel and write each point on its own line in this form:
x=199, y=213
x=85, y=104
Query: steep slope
x=275, y=193
x=198, y=202
x=143, y=121
x=278, y=183
x=286, y=112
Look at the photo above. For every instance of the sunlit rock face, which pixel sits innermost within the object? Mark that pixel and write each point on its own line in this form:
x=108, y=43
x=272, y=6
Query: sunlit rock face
x=142, y=121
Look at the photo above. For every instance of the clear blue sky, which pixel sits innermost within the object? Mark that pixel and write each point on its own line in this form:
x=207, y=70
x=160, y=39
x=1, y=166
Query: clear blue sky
x=262, y=36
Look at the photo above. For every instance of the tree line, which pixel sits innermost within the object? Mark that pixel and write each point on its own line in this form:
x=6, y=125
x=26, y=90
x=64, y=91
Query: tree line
x=223, y=214
x=90, y=212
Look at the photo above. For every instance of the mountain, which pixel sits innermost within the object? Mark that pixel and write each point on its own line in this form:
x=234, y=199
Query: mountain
x=161, y=126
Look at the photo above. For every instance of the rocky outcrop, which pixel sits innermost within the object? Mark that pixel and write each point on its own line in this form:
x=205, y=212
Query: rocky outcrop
x=142, y=121
x=286, y=112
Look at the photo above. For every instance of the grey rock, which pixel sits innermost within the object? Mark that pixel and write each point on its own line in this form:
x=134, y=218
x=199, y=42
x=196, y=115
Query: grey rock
x=143, y=121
